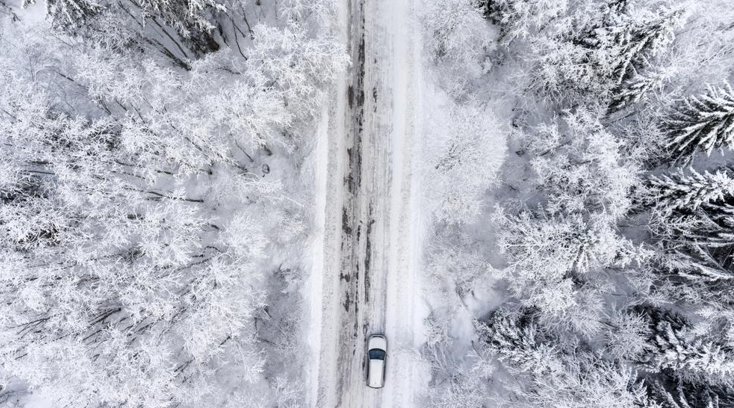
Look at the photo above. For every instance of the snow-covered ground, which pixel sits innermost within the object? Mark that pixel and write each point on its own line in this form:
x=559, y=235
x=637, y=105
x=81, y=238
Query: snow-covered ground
x=364, y=277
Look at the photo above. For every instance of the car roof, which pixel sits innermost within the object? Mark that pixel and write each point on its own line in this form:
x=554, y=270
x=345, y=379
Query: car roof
x=375, y=378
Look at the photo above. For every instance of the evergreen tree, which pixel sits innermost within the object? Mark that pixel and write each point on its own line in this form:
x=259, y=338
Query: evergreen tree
x=633, y=89
x=703, y=122
x=676, y=350
x=521, y=18
x=618, y=6
x=551, y=376
x=679, y=394
x=698, y=243
x=629, y=38
x=638, y=41
x=70, y=14
x=515, y=341
x=185, y=16
x=679, y=191
x=598, y=52
x=554, y=262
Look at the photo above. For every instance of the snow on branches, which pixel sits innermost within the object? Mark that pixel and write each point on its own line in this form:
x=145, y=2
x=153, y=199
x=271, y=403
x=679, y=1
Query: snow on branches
x=554, y=376
x=678, y=191
x=467, y=153
x=704, y=122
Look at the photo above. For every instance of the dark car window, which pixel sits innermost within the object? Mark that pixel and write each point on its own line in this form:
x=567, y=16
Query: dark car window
x=376, y=354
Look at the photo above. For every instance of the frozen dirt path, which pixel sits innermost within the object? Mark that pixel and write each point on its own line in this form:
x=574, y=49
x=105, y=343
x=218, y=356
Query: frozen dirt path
x=364, y=273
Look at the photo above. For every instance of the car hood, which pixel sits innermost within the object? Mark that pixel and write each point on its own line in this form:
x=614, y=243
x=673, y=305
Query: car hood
x=378, y=343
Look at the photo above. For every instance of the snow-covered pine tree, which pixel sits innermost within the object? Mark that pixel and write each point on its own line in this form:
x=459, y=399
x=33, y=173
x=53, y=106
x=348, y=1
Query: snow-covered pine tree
x=604, y=51
x=642, y=39
x=633, y=89
x=550, y=376
x=685, y=395
x=521, y=18
x=722, y=215
x=618, y=6
x=676, y=350
x=704, y=122
x=687, y=192
x=697, y=243
x=516, y=342
x=183, y=15
x=69, y=14
x=628, y=336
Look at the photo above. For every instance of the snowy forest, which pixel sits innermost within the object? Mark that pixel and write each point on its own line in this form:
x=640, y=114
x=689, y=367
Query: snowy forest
x=599, y=271
x=151, y=228
x=159, y=202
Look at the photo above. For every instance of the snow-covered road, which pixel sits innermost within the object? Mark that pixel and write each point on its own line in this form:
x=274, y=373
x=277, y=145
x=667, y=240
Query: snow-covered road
x=364, y=276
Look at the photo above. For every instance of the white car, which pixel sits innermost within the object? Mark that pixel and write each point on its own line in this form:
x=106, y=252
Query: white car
x=377, y=354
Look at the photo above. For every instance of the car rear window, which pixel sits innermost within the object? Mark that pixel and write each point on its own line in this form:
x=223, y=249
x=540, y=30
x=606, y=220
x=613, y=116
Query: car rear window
x=376, y=354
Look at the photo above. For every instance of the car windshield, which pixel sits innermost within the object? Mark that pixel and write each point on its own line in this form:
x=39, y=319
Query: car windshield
x=376, y=354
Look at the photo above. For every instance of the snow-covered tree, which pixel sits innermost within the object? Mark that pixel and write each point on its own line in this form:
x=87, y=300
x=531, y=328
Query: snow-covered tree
x=635, y=88
x=455, y=257
x=468, y=151
x=133, y=225
x=594, y=53
x=678, y=191
x=456, y=34
x=684, y=395
x=696, y=243
x=627, y=336
x=550, y=256
x=296, y=64
x=590, y=382
x=183, y=15
x=568, y=378
x=461, y=391
x=704, y=122
x=676, y=349
x=516, y=342
x=521, y=18
x=581, y=166
x=643, y=38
